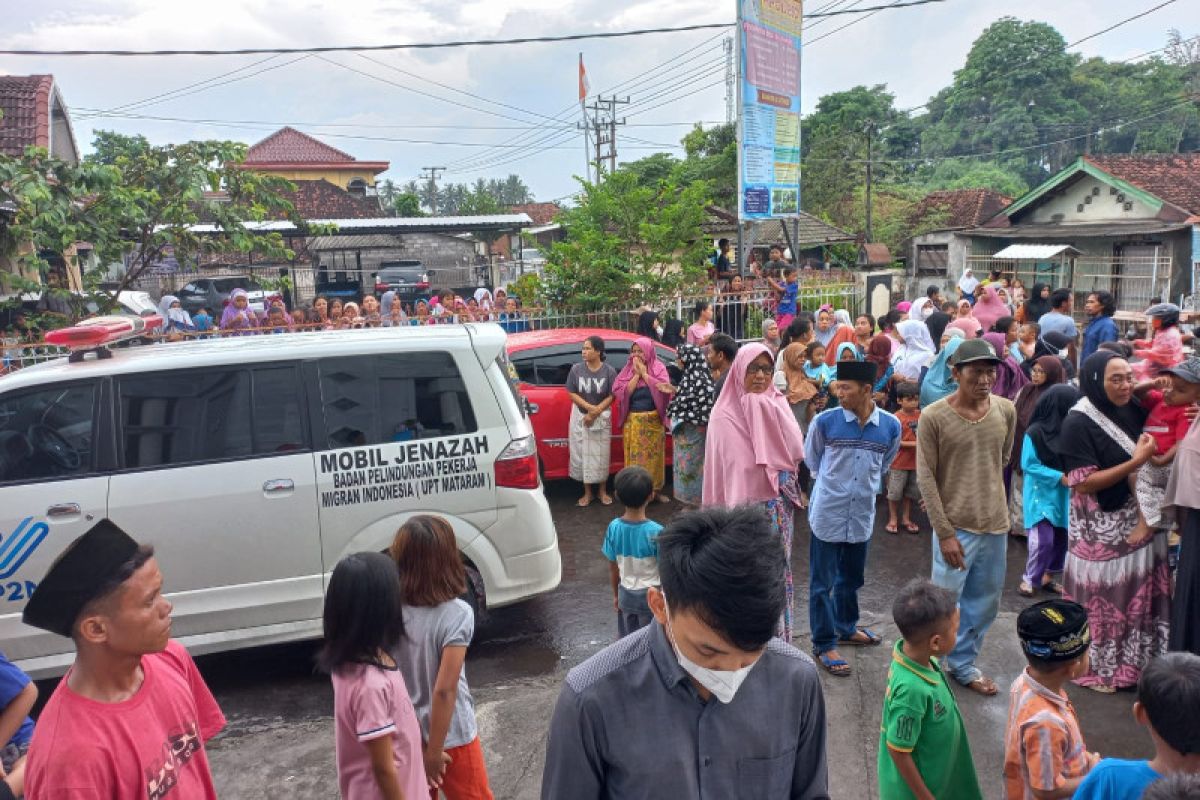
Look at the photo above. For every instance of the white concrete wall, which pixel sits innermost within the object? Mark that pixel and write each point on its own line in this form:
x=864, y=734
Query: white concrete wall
x=1099, y=203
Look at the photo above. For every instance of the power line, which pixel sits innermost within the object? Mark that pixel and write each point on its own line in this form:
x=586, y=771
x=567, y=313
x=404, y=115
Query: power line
x=994, y=153
x=1068, y=46
x=363, y=48
x=313, y=124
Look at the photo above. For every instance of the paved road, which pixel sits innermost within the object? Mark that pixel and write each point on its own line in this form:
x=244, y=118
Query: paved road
x=279, y=742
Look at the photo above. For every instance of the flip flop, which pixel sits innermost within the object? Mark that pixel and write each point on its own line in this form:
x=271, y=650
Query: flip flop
x=834, y=666
x=872, y=638
x=606, y=501
x=662, y=498
x=982, y=685
x=890, y=528
x=1025, y=590
x=583, y=503
x=912, y=527
x=1052, y=587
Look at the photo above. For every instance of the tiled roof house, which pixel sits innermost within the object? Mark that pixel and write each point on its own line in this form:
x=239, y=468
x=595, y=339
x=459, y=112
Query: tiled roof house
x=33, y=114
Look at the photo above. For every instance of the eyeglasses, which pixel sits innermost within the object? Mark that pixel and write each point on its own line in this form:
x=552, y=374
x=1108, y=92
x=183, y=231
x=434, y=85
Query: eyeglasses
x=762, y=369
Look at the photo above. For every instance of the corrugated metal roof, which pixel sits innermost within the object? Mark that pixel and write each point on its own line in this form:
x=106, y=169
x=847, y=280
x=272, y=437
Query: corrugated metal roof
x=1035, y=252
x=385, y=224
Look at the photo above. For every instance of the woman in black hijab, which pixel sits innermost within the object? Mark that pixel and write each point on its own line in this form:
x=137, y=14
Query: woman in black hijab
x=648, y=326
x=1123, y=581
x=1050, y=344
x=936, y=323
x=1038, y=302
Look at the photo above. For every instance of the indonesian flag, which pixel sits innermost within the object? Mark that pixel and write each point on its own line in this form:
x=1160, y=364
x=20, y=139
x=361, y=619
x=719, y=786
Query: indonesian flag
x=584, y=86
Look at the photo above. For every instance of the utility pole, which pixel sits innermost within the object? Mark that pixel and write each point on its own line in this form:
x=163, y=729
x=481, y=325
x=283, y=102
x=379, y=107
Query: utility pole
x=430, y=174
x=604, y=127
x=730, y=85
x=870, y=165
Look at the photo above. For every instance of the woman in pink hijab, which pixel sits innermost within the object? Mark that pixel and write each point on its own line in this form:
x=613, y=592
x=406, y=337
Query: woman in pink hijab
x=754, y=447
x=989, y=307
x=643, y=389
x=968, y=325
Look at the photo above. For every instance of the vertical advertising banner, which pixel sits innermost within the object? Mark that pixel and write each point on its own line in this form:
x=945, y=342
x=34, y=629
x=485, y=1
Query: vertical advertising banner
x=769, y=108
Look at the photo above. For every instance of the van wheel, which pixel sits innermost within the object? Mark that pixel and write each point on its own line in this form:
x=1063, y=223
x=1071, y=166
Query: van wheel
x=474, y=595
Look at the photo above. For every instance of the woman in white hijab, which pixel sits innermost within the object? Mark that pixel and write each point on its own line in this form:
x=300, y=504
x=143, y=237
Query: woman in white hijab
x=484, y=298
x=968, y=283
x=175, y=319
x=916, y=353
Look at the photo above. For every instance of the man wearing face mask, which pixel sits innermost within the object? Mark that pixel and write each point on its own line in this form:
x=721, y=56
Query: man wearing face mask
x=703, y=702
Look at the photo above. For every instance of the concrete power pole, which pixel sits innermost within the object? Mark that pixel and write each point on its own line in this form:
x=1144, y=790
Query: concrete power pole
x=870, y=176
x=604, y=128
x=430, y=174
x=730, y=84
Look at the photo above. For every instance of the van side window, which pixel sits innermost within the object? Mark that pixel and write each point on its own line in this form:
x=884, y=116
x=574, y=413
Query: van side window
x=47, y=433
x=202, y=415
x=393, y=397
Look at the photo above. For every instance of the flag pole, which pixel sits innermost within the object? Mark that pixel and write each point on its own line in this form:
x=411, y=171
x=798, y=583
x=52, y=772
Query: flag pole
x=587, y=143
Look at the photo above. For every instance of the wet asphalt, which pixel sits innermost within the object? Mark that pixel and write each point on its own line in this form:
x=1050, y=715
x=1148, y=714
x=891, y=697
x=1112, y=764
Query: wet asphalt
x=279, y=740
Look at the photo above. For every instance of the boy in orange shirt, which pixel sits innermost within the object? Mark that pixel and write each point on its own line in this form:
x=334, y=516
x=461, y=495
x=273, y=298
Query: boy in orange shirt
x=902, y=476
x=1044, y=753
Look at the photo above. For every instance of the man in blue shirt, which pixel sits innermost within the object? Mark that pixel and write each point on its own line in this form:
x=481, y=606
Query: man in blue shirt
x=848, y=450
x=1100, y=307
x=1168, y=702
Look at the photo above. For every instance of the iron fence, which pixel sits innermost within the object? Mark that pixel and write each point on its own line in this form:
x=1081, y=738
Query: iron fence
x=740, y=314
x=1134, y=281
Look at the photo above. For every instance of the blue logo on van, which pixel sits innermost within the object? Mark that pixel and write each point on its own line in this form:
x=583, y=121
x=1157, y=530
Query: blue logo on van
x=16, y=549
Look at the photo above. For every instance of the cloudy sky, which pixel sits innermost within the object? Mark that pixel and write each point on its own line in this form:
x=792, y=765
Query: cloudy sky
x=488, y=111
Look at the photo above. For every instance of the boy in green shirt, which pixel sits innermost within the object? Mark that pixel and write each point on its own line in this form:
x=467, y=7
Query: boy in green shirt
x=923, y=749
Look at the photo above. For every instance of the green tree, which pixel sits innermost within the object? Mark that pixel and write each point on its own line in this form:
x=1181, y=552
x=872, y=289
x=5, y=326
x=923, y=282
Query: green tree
x=1015, y=91
x=711, y=157
x=628, y=243
x=407, y=205
x=136, y=203
x=653, y=169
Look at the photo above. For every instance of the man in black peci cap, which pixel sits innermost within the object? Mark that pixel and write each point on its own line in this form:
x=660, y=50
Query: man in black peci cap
x=131, y=716
x=848, y=450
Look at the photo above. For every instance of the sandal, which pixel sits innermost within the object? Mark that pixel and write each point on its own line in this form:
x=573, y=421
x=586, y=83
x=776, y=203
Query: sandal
x=1025, y=589
x=834, y=666
x=870, y=638
x=891, y=528
x=662, y=498
x=583, y=502
x=912, y=527
x=1102, y=689
x=606, y=501
x=982, y=685
x=1053, y=587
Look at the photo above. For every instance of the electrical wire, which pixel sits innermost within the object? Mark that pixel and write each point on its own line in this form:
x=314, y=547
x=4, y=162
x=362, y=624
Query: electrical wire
x=1068, y=46
x=361, y=48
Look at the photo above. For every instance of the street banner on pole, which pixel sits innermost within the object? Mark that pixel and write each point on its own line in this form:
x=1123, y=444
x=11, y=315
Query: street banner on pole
x=769, y=108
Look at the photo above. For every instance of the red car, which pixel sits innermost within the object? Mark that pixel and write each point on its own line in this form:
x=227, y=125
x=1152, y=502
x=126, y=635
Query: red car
x=543, y=359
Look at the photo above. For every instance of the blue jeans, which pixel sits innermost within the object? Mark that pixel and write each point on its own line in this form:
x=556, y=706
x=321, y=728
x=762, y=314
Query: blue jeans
x=835, y=576
x=978, y=591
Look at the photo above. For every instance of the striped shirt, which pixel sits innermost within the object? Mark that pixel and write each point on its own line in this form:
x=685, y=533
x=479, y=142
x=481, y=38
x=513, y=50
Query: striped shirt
x=1043, y=746
x=847, y=460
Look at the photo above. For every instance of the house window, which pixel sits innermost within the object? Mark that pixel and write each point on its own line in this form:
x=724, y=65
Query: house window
x=932, y=259
x=357, y=186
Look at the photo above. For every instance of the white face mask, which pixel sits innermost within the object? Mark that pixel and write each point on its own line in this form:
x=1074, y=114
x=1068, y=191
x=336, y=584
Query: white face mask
x=723, y=683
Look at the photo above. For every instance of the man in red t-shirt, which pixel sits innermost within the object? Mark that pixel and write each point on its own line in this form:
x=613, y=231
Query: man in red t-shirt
x=131, y=716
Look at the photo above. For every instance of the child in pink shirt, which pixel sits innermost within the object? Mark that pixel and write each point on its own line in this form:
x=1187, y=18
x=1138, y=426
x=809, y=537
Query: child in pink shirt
x=1165, y=346
x=378, y=738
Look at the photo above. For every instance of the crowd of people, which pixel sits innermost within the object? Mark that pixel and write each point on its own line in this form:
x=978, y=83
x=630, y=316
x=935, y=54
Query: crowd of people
x=986, y=412
x=239, y=318
x=992, y=412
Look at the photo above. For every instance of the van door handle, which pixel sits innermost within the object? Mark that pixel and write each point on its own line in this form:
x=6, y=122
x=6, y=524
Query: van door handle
x=64, y=510
x=279, y=486
x=532, y=408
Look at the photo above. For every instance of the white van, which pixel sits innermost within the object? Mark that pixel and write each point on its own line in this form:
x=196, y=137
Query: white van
x=254, y=464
